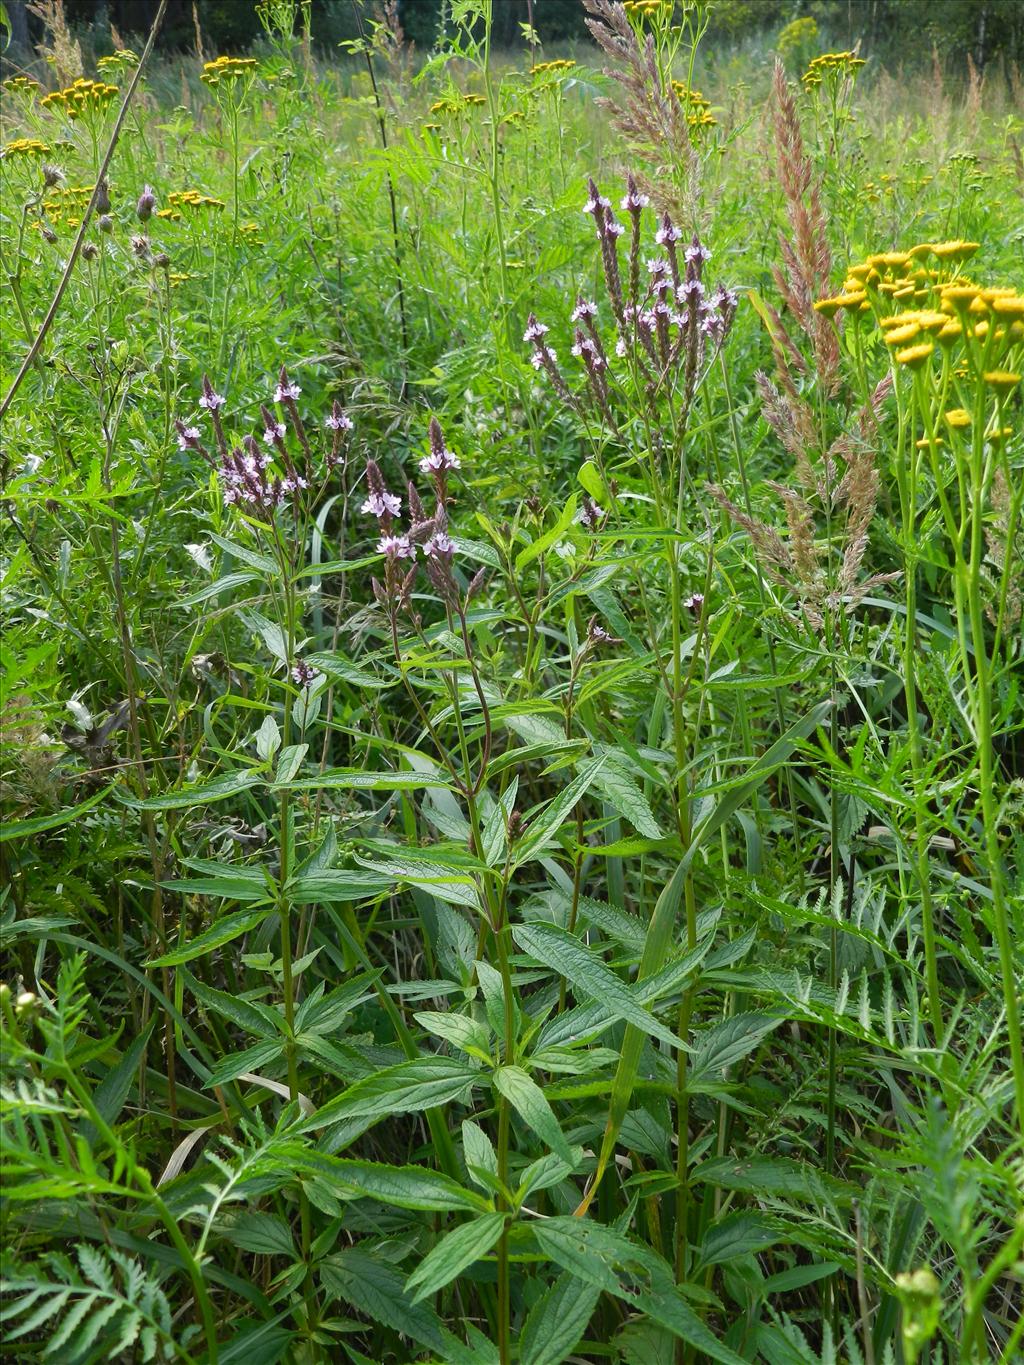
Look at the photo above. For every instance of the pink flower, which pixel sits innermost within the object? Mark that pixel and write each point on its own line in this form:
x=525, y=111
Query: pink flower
x=440, y=543
x=304, y=674
x=382, y=504
x=396, y=547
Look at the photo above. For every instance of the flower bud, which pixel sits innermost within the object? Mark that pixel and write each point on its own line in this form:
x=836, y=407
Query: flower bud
x=25, y=1003
x=162, y=260
x=102, y=197
x=105, y=223
x=146, y=204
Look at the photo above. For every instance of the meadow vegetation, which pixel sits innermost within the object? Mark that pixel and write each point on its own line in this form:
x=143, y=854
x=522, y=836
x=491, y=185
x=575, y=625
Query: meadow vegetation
x=513, y=741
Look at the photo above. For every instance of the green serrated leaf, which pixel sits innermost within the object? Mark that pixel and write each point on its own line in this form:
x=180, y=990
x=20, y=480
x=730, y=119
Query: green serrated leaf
x=454, y=1253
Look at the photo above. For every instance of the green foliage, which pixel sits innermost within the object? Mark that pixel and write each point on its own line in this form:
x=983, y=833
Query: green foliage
x=587, y=929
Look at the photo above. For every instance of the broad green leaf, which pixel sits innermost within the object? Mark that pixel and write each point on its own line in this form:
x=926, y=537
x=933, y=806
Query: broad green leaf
x=402, y=1089
x=335, y=885
x=337, y=666
x=617, y=784
x=454, y=1253
x=469, y=1035
x=592, y=1252
x=375, y=1288
x=727, y=1042
x=544, y=826
x=606, y=1259
x=478, y=1149
x=252, y=1059
x=667, y=1307
x=230, y=886
x=267, y=1234
x=356, y=779
x=253, y=1017
x=557, y=1321
x=327, y=1013
x=404, y=1187
x=225, y=584
x=263, y=563
x=736, y=1235
x=229, y=784
x=289, y=763
x=530, y=1102
x=447, y=882
x=589, y=478
x=270, y=632
x=259, y=1343
x=587, y=973
x=775, y=1176
x=268, y=738
x=223, y=931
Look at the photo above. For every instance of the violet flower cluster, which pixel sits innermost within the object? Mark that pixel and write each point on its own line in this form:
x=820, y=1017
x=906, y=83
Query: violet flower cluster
x=668, y=325
x=259, y=479
x=428, y=533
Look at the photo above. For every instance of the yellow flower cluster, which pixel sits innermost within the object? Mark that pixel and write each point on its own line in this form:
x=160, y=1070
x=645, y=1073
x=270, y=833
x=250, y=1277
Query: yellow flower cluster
x=645, y=8
x=251, y=233
x=456, y=104
x=80, y=97
x=67, y=199
x=552, y=68
x=124, y=60
x=832, y=66
x=936, y=307
x=22, y=85
x=25, y=146
x=698, y=109
x=690, y=96
x=228, y=69
x=192, y=199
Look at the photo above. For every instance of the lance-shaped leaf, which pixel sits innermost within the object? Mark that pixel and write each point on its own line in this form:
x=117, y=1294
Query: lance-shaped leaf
x=530, y=1102
x=587, y=973
x=402, y=1089
x=453, y=1253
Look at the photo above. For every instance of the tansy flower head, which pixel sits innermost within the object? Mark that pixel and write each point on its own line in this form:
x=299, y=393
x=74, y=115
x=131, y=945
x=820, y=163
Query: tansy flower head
x=915, y=356
x=1003, y=381
x=899, y=336
x=958, y=418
